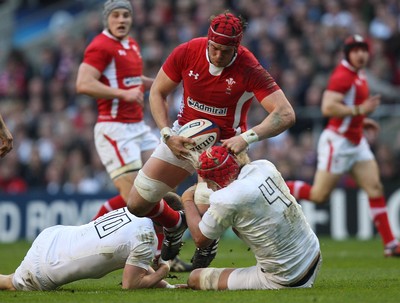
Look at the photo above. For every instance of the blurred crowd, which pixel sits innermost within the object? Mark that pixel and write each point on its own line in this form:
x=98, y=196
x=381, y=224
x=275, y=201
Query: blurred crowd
x=297, y=41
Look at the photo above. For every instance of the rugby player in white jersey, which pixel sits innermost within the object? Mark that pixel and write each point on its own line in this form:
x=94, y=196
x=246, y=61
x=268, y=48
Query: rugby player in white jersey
x=116, y=240
x=253, y=199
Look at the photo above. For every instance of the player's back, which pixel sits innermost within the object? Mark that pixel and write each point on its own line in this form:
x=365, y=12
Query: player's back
x=97, y=248
x=271, y=222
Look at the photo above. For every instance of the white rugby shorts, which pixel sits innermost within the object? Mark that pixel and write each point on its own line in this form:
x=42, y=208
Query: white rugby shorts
x=337, y=155
x=32, y=272
x=119, y=145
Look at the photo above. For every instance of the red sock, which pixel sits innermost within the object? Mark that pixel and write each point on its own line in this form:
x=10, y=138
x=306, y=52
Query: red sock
x=299, y=189
x=164, y=215
x=380, y=218
x=110, y=205
x=160, y=237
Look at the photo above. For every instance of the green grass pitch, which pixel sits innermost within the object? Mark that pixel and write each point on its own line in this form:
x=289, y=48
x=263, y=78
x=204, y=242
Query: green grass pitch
x=352, y=271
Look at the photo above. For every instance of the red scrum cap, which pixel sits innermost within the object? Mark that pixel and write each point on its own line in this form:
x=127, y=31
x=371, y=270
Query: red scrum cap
x=226, y=29
x=218, y=165
x=354, y=41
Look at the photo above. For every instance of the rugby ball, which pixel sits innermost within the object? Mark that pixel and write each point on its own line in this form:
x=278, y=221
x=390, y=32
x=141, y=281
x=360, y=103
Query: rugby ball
x=204, y=132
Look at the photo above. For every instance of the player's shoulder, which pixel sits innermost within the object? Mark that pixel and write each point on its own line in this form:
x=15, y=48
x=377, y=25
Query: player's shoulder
x=101, y=42
x=254, y=168
x=343, y=70
x=195, y=42
x=195, y=45
x=100, y=38
x=243, y=53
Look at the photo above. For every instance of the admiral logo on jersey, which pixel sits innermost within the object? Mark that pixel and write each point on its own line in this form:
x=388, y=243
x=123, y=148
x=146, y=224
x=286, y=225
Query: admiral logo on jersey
x=206, y=108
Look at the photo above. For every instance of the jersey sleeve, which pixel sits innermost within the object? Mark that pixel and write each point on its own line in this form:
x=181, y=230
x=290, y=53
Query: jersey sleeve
x=340, y=82
x=141, y=256
x=97, y=56
x=217, y=218
x=261, y=83
x=175, y=62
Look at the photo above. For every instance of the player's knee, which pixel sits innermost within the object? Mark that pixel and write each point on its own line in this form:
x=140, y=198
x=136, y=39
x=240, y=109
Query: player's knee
x=194, y=279
x=319, y=197
x=139, y=209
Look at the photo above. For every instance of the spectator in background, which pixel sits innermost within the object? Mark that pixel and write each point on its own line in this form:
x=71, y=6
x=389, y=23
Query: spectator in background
x=342, y=145
x=11, y=181
x=14, y=77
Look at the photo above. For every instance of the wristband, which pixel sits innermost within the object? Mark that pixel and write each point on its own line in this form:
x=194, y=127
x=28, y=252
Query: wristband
x=249, y=136
x=165, y=132
x=357, y=110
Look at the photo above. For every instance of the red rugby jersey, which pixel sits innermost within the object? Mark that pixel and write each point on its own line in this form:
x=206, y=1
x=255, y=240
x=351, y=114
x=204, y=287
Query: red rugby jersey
x=225, y=98
x=121, y=66
x=353, y=85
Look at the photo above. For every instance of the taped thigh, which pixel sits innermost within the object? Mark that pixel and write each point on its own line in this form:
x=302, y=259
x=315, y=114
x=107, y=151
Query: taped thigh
x=150, y=189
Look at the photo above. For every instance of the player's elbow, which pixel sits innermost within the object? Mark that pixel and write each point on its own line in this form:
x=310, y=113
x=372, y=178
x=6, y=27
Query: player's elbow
x=289, y=117
x=327, y=111
x=80, y=87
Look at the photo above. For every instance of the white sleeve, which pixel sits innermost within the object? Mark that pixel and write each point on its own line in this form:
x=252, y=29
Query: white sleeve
x=218, y=217
x=141, y=256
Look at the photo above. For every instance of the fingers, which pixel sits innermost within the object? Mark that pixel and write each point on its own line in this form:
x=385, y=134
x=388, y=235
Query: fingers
x=235, y=144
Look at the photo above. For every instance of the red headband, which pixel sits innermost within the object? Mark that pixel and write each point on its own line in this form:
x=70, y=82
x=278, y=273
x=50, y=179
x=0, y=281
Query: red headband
x=226, y=29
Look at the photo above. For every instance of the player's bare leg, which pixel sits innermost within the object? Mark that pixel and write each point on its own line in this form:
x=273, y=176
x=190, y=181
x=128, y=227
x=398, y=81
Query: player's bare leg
x=156, y=178
x=366, y=173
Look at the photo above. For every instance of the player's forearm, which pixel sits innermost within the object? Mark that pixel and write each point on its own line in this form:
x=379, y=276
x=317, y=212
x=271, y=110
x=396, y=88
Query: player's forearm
x=154, y=279
x=193, y=219
x=96, y=89
x=277, y=122
x=159, y=110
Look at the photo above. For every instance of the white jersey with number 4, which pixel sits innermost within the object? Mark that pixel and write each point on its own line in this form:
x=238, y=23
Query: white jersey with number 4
x=267, y=218
x=62, y=254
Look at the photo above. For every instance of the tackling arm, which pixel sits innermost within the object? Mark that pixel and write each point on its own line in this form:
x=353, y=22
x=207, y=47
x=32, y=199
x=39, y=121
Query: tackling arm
x=135, y=277
x=193, y=218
